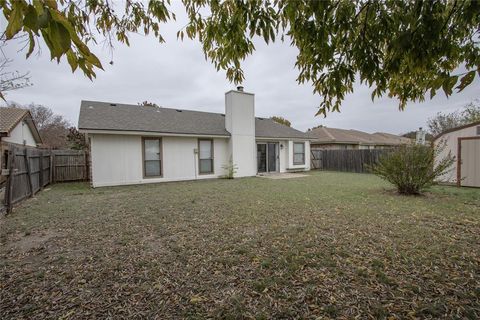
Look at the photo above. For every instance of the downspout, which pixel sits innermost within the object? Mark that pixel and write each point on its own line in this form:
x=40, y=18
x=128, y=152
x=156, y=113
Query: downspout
x=195, y=152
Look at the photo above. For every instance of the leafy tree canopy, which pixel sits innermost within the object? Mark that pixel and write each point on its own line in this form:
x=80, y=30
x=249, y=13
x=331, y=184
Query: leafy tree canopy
x=281, y=120
x=76, y=140
x=406, y=49
x=148, y=104
x=444, y=121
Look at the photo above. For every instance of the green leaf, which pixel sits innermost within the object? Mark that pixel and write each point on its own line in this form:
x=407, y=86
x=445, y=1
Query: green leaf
x=94, y=60
x=448, y=85
x=72, y=60
x=14, y=22
x=466, y=80
x=31, y=19
x=31, y=44
x=59, y=38
x=43, y=20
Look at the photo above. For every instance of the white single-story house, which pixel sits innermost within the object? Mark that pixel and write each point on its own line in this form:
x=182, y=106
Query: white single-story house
x=464, y=144
x=132, y=144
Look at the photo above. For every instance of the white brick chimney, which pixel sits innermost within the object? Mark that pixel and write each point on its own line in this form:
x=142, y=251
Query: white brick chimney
x=240, y=122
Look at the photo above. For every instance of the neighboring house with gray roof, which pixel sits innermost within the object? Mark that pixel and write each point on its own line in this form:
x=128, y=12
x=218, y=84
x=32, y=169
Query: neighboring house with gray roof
x=16, y=128
x=132, y=144
x=334, y=138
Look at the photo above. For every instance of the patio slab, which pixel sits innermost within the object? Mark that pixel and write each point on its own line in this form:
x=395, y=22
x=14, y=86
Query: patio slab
x=286, y=175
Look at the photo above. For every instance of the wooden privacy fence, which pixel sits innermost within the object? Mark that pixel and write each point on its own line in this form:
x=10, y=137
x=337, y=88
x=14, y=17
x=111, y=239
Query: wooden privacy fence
x=353, y=160
x=70, y=165
x=29, y=170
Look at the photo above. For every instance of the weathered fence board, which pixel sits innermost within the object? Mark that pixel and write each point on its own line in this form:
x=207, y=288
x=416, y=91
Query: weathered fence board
x=353, y=160
x=70, y=165
x=30, y=170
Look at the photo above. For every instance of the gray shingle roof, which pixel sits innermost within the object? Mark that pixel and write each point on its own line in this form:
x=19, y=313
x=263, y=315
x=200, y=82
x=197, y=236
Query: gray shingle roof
x=267, y=128
x=96, y=115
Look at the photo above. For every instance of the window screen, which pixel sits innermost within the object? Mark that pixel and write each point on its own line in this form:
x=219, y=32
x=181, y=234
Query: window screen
x=205, y=156
x=298, y=153
x=152, y=158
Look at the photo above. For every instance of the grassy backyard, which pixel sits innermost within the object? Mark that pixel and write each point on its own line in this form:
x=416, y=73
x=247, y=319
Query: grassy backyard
x=331, y=245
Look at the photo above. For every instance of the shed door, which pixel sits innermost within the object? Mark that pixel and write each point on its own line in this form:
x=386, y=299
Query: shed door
x=470, y=166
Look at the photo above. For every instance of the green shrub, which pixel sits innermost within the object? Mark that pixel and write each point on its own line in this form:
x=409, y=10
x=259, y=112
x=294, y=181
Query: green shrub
x=413, y=168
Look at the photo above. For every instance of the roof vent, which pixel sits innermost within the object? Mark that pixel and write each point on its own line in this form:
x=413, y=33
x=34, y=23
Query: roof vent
x=113, y=104
x=178, y=110
x=240, y=88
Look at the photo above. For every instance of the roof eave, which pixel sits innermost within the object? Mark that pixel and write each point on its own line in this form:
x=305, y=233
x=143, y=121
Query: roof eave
x=456, y=129
x=154, y=133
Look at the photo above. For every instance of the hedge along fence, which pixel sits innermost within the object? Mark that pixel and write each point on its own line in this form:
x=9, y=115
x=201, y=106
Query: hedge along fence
x=29, y=170
x=351, y=160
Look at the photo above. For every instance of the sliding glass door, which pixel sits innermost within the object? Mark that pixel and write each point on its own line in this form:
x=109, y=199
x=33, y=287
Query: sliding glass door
x=262, y=157
x=267, y=156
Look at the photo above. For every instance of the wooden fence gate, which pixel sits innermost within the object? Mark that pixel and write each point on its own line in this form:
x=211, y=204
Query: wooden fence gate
x=353, y=160
x=29, y=170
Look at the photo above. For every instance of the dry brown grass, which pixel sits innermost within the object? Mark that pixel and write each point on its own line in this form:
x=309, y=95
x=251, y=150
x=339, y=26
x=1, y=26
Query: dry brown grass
x=330, y=245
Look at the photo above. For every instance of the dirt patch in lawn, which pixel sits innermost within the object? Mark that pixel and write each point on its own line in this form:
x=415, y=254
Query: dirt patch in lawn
x=24, y=242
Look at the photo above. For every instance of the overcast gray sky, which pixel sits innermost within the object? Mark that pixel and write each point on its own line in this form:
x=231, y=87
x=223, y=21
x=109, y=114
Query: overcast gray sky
x=175, y=74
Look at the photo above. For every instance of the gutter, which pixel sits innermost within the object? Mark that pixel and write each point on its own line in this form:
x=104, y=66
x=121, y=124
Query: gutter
x=149, y=133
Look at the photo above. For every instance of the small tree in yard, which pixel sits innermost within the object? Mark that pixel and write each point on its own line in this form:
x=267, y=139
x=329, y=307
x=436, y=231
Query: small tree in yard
x=230, y=168
x=412, y=168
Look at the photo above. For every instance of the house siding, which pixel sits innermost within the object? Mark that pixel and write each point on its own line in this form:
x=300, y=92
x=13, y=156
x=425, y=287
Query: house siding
x=448, y=143
x=292, y=166
x=117, y=159
x=20, y=133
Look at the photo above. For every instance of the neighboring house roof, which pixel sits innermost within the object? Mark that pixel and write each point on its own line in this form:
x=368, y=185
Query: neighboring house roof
x=391, y=138
x=10, y=117
x=95, y=115
x=334, y=135
x=468, y=125
x=324, y=135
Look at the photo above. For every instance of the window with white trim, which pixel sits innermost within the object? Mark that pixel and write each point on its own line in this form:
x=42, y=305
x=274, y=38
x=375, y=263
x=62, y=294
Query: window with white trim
x=298, y=153
x=205, y=156
x=152, y=157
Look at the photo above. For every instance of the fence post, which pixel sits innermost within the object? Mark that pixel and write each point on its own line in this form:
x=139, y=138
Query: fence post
x=40, y=180
x=29, y=172
x=52, y=167
x=9, y=187
x=85, y=177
